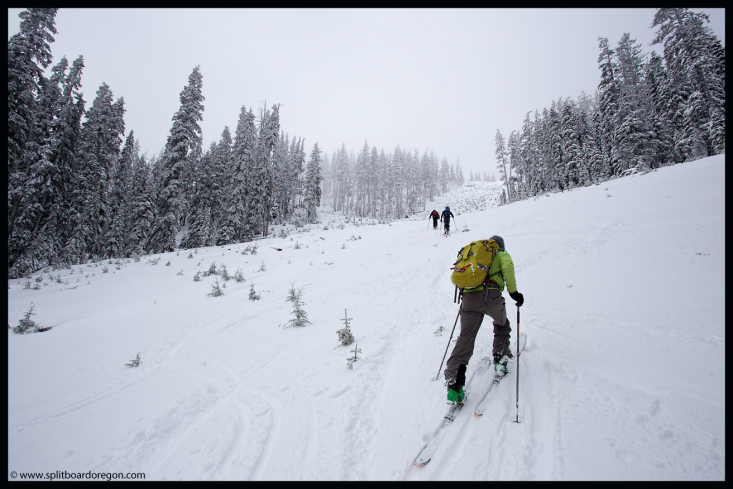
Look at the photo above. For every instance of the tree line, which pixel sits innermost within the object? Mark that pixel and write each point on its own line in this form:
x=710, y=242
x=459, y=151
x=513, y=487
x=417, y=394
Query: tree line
x=385, y=186
x=647, y=112
x=76, y=192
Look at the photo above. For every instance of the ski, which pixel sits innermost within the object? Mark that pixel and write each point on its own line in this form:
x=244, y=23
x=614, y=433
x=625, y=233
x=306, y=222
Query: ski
x=429, y=449
x=481, y=406
x=431, y=446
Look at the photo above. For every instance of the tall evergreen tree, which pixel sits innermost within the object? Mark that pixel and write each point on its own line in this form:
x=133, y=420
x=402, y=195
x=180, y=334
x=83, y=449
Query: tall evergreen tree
x=635, y=139
x=121, y=202
x=697, y=75
x=29, y=54
x=501, y=161
x=142, y=207
x=608, y=94
x=242, y=161
x=313, y=185
x=99, y=149
x=185, y=138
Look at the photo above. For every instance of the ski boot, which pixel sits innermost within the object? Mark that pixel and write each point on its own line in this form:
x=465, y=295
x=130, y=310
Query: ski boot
x=500, y=363
x=456, y=397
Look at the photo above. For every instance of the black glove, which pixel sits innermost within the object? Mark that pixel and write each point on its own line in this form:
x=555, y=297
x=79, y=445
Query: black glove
x=517, y=297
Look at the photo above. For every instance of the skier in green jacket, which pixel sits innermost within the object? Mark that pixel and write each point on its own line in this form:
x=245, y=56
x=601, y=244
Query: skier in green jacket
x=485, y=299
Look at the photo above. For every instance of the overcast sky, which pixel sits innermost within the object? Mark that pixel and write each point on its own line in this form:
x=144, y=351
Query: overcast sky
x=438, y=79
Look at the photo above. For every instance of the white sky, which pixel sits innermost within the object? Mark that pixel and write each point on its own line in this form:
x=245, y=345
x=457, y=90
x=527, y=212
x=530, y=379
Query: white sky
x=438, y=79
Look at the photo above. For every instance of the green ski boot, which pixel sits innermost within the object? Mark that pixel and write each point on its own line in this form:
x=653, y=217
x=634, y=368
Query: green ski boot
x=456, y=397
x=500, y=366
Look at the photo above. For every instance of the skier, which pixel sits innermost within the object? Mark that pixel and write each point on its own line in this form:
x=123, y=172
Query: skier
x=445, y=218
x=435, y=217
x=478, y=301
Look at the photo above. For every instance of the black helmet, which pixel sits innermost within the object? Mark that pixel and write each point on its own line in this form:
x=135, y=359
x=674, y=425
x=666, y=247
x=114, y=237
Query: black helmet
x=499, y=240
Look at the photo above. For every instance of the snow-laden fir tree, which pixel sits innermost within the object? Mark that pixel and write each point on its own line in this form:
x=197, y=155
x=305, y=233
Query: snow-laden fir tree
x=240, y=165
x=99, y=148
x=183, y=141
x=345, y=336
x=695, y=62
x=142, y=206
x=120, y=205
x=312, y=197
x=29, y=54
x=501, y=160
x=295, y=296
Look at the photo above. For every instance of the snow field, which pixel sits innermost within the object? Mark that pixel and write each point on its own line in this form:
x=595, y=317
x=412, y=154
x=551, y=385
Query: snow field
x=622, y=377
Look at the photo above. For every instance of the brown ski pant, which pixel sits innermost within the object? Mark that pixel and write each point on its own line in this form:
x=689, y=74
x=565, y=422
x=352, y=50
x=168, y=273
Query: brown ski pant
x=473, y=309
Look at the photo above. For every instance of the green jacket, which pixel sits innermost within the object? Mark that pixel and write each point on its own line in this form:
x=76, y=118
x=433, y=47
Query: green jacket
x=500, y=271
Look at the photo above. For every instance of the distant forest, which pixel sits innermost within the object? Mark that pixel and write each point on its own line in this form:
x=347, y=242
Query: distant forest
x=79, y=190
x=647, y=112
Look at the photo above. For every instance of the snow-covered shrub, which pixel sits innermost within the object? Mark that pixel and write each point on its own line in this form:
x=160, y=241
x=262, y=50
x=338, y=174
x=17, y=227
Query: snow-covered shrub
x=135, y=362
x=253, y=296
x=296, y=297
x=215, y=289
x=211, y=270
x=345, y=336
x=26, y=325
x=350, y=361
x=238, y=275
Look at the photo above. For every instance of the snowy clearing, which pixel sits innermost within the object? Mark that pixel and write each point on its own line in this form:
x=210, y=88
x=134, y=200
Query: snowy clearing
x=622, y=377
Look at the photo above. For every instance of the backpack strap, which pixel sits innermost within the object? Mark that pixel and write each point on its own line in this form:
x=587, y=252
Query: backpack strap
x=459, y=294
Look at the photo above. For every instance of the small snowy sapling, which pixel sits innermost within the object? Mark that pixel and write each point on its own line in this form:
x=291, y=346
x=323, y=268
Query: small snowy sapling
x=350, y=361
x=135, y=362
x=253, y=296
x=211, y=270
x=296, y=297
x=345, y=336
x=238, y=275
x=215, y=289
x=26, y=325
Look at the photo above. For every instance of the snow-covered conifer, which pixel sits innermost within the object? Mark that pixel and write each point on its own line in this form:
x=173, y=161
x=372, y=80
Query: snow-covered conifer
x=312, y=197
x=184, y=139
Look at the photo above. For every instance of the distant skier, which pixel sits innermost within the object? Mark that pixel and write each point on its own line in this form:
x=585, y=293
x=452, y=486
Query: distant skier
x=435, y=217
x=485, y=299
x=445, y=218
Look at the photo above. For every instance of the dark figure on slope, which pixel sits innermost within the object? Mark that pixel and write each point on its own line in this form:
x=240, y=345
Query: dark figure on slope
x=445, y=218
x=485, y=299
x=435, y=217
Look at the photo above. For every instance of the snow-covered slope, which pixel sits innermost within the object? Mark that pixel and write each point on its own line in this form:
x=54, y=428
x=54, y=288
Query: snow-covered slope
x=622, y=377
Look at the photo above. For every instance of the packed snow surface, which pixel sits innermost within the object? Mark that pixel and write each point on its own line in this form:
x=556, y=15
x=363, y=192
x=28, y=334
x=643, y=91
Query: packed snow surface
x=622, y=377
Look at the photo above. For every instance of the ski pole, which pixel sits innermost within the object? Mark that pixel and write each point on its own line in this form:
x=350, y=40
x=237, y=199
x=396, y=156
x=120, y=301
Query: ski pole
x=451, y=337
x=517, y=420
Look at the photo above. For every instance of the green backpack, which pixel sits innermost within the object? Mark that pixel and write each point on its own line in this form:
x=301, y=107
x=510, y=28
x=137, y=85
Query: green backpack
x=472, y=266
